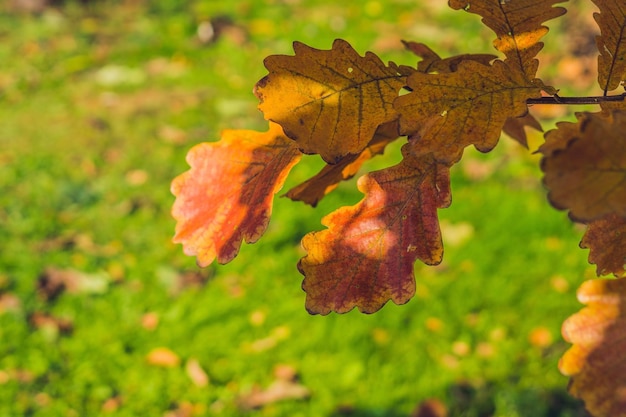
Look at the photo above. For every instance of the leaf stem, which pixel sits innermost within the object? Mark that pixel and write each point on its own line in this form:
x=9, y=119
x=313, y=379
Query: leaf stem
x=555, y=99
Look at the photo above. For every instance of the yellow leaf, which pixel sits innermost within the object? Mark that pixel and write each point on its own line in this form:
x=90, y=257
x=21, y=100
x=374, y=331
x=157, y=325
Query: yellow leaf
x=517, y=25
x=447, y=112
x=329, y=101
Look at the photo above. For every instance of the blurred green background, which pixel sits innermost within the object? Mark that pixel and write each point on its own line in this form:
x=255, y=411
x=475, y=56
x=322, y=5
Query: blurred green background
x=100, y=314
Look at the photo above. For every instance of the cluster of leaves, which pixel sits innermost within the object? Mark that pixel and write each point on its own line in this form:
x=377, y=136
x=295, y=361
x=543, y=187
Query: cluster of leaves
x=347, y=108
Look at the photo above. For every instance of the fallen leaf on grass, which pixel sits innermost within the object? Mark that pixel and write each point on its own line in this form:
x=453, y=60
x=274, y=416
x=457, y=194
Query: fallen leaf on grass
x=52, y=323
x=285, y=387
x=195, y=372
x=163, y=357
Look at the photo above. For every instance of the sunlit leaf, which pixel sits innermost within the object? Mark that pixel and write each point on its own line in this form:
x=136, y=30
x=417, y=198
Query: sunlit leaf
x=447, y=112
x=315, y=188
x=611, y=43
x=329, y=101
x=226, y=197
x=584, y=165
x=366, y=255
x=517, y=25
x=606, y=240
x=596, y=362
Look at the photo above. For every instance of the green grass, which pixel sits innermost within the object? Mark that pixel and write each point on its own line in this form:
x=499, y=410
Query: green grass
x=85, y=170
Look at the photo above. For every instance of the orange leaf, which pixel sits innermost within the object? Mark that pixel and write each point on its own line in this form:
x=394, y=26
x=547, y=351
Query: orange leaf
x=163, y=357
x=611, y=43
x=366, y=255
x=315, y=188
x=596, y=361
x=330, y=102
x=584, y=166
x=447, y=112
x=517, y=25
x=226, y=197
x=606, y=240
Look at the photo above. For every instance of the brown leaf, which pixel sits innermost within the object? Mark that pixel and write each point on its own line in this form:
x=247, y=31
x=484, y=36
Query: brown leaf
x=329, y=101
x=430, y=408
x=447, y=112
x=279, y=390
x=517, y=25
x=606, y=240
x=366, y=255
x=514, y=127
x=611, y=43
x=432, y=62
x=584, y=166
x=226, y=197
x=57, y=324
x=315, y=188
x=596, y=362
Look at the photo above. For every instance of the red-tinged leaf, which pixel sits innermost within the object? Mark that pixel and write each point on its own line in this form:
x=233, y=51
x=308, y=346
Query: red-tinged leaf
x=366, y=255
x=584, y=166
x=226, y=197
x=606, y=240
x=329, y=101
x=514, y=127
x=596, y=362
x=315, y=188
x=432, y=62
x=517, y=25
x=447, y=112
x=611, y=43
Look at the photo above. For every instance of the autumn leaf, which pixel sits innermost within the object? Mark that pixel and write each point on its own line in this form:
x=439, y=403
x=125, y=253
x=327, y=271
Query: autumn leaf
x=606, y=240
x=584, y=166
x=366, y=255
x=517, y=25
x=447, y=112
x=226, y=197
x=315, y=188
x=432, y=62
x=514, y=127
x=596, y=361
x=329, y=101
x=611, y=43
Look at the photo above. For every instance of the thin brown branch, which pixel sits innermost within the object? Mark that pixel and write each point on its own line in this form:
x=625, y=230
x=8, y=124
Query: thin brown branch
x=576, y=100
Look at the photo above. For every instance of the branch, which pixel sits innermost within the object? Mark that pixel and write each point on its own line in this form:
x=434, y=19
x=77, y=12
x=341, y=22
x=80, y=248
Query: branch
x=575, y=100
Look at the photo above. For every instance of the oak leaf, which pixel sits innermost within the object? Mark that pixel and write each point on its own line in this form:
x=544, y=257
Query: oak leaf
x=329, y=101
x=596, y=361
x=314, y=189
x=432, y=62
x=606, y=240
x=514, y=127
x=365, y=257
x=611, y=43
x=517, y=25
x=584, y=166
x=447, y=112
x=226, y=197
